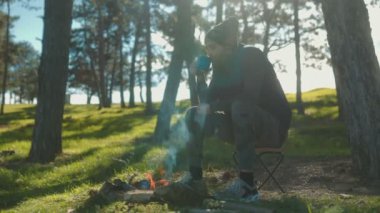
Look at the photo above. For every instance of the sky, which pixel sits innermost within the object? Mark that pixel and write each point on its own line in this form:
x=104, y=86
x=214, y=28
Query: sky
x=29, y=28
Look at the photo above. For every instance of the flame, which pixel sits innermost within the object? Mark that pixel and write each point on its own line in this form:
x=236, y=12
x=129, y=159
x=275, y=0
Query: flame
x=151, y=181
x=163, y=182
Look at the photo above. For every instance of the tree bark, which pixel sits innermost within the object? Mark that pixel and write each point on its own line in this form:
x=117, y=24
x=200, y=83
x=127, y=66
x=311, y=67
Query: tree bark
x=358, y=75
x=148, y=80
x=113, y=72
x=182, y=43
x=139, y=75
x=132, y=75
x=52, y=78
x=121, y=72
x=6, y=59
x=219, y=11
x=103, y=99
x=194, y=101
x=339, y=102
x=267, y=20
x=245, y=34
x=299, y=103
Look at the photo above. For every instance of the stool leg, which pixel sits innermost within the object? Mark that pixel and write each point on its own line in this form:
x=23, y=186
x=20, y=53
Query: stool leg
x=271, y=173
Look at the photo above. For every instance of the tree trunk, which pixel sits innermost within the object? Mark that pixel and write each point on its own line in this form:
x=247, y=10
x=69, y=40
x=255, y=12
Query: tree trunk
x=88, y=101
x=148, y=79
x=182, y=43
x=113, y=72
x=299, y=103
x=132, y=75
x=139, y=75
x=339, y=102
x=219, y=11
x=52, y=78
x=92, y=60
x=103, y=99
x=121, y=72
x=245, y=34
x=192, y=85
x=267, y=20
x=6, y=59
x=189, y=58
x=357, y=71
x=140, y=82
x=21, y=94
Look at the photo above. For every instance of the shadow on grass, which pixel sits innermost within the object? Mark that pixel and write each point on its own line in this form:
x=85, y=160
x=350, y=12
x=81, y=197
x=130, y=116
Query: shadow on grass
x=98, y=174
x=322, y=101
x=109, y=126
x=24, y=132
x=24, y=113
x=23, y=166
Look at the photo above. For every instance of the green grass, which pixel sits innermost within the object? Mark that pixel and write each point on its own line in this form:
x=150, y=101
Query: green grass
x=103, y=144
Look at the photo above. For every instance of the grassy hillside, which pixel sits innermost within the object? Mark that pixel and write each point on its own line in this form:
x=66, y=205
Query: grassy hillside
x=103, y=144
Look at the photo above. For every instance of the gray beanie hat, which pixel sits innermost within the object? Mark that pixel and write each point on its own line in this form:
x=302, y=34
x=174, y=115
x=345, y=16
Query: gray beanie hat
x=225, y=32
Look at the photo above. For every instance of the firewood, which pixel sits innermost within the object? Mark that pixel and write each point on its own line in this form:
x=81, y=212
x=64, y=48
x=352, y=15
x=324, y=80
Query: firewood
x=138, y=196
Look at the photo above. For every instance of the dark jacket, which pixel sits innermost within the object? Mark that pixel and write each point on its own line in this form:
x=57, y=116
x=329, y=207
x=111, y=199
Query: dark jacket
x=252, y=80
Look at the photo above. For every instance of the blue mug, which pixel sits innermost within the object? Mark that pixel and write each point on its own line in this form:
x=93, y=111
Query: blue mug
x=203, y=63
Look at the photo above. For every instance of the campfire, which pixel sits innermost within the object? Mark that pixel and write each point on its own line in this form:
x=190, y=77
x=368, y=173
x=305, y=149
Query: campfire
x=153, y=187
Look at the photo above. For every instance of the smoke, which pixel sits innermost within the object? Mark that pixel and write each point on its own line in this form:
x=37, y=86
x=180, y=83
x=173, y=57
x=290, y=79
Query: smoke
x=178, y=138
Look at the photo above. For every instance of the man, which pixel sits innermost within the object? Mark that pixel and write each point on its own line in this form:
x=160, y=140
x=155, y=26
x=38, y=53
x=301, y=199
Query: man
x=244, y=103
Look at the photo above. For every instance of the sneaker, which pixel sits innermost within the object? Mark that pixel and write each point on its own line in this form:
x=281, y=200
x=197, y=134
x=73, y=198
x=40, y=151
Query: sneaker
x=199, y=186
x=239, y=190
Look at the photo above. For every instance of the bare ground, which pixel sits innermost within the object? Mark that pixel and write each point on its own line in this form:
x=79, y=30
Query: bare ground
x=309, y=177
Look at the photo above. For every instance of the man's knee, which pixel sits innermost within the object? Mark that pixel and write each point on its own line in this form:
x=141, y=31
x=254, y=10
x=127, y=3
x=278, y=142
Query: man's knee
x=240, y=113
x=189, y=118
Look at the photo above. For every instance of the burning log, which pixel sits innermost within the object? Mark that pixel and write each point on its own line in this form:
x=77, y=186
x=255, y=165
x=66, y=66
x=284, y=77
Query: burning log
x=178, y=193
x=138, y=196
x=108, y=192
x=115, y=191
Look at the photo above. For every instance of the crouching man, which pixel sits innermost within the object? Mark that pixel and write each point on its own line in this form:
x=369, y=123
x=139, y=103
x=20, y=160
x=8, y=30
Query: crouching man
x=244, y=103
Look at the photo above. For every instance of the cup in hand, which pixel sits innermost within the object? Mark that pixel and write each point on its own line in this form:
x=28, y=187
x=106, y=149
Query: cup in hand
x=203, y=63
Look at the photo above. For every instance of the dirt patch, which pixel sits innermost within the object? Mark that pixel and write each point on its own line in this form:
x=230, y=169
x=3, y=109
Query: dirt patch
x=325, y=175
x=310, y=177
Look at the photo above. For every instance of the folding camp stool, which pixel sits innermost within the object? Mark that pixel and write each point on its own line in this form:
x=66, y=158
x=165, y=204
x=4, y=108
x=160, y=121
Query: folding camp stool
x=278, y=155
x=268, y=151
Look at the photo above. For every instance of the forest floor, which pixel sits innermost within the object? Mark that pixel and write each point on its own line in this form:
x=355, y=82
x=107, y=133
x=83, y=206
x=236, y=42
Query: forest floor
x=316, y=184
x=101, y=145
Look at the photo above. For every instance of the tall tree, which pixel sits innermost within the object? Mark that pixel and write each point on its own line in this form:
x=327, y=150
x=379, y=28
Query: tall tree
x=47, y=134
x=121, y=74
x=244, y=15
x=23, y=77
x=299, y=103
x=120, y=32
x=182, y=42
x=6, y=58
x=149, y=105
x=357, y=71
x=101, y=47
x=96, y=42
x=132, y=74
x=219, y=11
